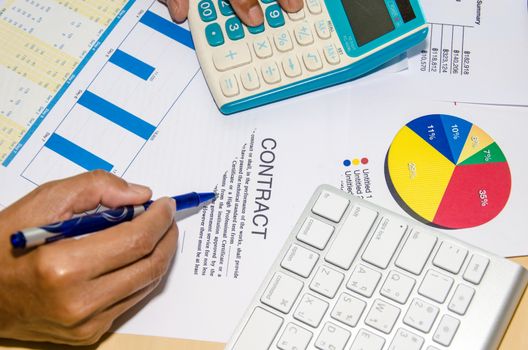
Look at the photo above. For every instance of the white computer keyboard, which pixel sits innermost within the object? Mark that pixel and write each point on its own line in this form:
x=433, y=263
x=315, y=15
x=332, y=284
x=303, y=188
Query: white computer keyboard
x=355, y=276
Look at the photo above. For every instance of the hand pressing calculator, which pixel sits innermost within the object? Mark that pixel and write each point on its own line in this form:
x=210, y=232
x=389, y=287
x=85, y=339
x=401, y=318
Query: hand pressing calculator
x=326, y=43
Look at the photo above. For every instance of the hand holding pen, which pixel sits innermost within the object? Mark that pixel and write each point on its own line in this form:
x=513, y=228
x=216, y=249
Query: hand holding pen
x=71, y=291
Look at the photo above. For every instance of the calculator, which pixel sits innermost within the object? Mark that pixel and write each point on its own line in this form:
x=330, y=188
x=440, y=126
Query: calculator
x=326, y=43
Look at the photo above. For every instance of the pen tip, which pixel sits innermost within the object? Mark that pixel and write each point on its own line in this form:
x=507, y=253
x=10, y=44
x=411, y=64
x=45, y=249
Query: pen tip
x=207, y=196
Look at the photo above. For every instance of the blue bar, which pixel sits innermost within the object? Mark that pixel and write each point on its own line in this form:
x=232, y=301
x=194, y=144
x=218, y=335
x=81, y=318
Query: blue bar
x=66, y=85
x=168, y=28
x=76, y=154
x=117, y=115
x=132, y=64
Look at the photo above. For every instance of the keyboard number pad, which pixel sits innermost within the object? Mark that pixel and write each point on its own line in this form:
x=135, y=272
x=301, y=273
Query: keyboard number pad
x=326, y=281
x=310, y=310
x=294, y=337
x=382, y=316
x=363, y=280
x=332, y=337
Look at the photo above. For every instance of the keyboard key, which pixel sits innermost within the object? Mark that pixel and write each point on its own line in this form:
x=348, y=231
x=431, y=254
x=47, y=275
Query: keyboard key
x=322, y=29
x=225, y=7
x=332, y=337
x=351, y=236
x=382, y=316
x=229, y=85
x=236, y=55
x=416, y=251
x=363, y=280
x=330, y=206
x=450, y=257
x=312, y=60
x=207, y=10
x=461, y=299
x=283, y=41
x=234, y=28
x=270, y=72
x=315, y=233
x=446, y=330
x=432, y=348
x=300, y=260
x=476, y=268
x=291, y=67
x=262, y=47
x=348, y=309
x=367, y=341
x=294, y=337
x=397, y=287
x=435, y=286
x=282, y=291
x=303, y=34
x=250, y=79
x=310, y=310
x=384, y=242
x=259, y=331
x=296, y=16
x=405, y=340
x=326, y=281
x=214, y=35
x=274, y=16
x=331, y=54
x=314, y=6
x=421, y=315
x=256, y=30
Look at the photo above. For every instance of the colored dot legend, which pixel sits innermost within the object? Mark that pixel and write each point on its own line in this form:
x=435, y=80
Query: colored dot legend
x=355, y=161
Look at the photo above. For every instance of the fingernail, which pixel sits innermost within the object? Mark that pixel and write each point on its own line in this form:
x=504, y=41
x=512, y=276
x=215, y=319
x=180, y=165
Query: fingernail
x=140, y=189
x=173, y=204
x=255, y=15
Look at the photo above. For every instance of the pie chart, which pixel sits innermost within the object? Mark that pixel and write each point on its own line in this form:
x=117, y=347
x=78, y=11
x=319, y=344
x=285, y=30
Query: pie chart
x=447, y=172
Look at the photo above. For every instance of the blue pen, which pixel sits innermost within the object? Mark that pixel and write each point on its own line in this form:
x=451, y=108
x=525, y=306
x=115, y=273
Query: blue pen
x=81, y=225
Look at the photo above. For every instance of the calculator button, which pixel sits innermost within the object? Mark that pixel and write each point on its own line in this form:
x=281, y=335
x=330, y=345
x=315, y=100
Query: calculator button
x=234, y=28
x=405, y=340
x=229, y=85
x=322, y=28
x=294, y=337
x=270, y=72
x=303, y=34
x=274, y=16
x=296, y=16
x=314, y=6
x=225, y=7
x=450, y=257
x=435, y=286
x=331, y=54
x=367, y=341
x=382, y=316
x=207, y=10
x=310, y=310
x=283, y=41
x=461, y=299
x=312, y=60
x=236, y=55
x=446, y=330
x=214, y=35
x=348, y=309
x=326, y=281
x=476, y=268
x=256, y=30
x=282, y=291
x=292, y=68
x=421, y=315
x=250, y=79
x=332, y=337
x=262, y=47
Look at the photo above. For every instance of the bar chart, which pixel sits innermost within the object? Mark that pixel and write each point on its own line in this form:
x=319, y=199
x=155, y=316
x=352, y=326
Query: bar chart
x=119, y=111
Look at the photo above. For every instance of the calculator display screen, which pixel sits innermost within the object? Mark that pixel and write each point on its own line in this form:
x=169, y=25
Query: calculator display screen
x=369, y=19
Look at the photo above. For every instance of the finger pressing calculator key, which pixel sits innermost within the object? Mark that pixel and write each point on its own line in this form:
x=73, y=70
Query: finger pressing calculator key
x=325, y=43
